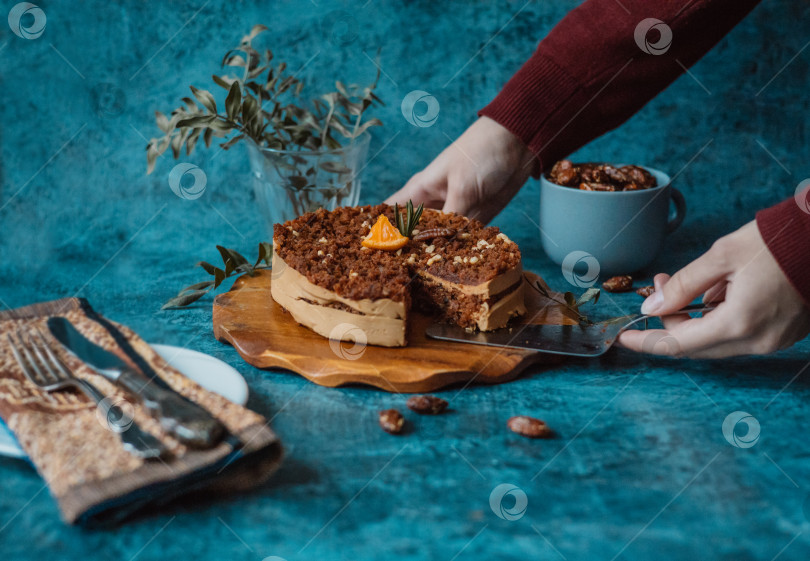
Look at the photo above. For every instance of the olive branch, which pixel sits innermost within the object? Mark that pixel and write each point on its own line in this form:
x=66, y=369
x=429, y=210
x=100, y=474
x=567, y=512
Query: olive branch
x=234, y=264
x=262, y=104
x=570, y=301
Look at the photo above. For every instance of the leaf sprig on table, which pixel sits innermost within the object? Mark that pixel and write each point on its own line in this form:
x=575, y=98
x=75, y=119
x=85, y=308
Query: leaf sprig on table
x=234, y=264
x=570, y=301
x=263, y=105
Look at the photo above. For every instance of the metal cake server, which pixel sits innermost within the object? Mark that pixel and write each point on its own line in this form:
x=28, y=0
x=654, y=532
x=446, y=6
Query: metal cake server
x=584, y=340
x=188, y=422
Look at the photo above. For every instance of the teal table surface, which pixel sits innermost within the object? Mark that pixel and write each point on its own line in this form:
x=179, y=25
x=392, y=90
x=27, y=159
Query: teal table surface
x=640, y=468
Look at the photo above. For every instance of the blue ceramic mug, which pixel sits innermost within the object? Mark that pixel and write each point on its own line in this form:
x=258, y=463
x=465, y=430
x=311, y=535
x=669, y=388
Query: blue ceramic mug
x=623, y=230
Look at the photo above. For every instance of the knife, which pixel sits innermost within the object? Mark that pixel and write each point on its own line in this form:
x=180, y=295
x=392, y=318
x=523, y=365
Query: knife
x=188, y=422
x=584, y=340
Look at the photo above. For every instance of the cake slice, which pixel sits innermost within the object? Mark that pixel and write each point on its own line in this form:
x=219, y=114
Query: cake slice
x=451, y=267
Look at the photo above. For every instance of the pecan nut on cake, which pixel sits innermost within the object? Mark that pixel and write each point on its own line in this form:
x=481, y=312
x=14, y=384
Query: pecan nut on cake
x=328, y=271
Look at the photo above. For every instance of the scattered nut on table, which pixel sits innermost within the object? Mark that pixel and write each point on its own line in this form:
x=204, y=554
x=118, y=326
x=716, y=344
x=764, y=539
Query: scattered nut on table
x=426, y=404
x=529, y=427
x=621, y=283
x=391, y=421
x=645, y=291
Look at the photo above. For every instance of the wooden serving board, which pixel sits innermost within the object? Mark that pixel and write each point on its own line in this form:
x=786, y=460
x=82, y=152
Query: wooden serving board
x=267, y=336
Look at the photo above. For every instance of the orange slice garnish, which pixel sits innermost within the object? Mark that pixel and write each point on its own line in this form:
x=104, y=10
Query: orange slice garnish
x=384, y=236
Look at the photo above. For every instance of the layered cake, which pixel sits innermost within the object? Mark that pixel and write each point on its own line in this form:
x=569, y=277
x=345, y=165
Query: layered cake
x=330, y=275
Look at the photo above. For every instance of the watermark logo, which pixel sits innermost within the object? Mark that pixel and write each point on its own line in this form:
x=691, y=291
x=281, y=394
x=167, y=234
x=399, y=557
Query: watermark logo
x=27, y=20
x=420, y=109
x=738, y=419
x=187, y=181
x=497, y=499
x=580, y=269
x=115, y=414
x=642, y=32
x=108, y=99
x=340, y=27
x=348, y=332
x=658, y=343
x=802, y=195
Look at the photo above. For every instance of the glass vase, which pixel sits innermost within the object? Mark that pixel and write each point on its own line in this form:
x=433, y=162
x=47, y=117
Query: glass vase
x=289, y=183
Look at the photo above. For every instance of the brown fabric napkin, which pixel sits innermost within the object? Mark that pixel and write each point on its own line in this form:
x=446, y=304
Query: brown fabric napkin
x=93, y=479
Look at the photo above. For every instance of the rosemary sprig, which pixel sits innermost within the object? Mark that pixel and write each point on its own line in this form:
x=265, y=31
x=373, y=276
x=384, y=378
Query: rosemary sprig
x=407, y=225
x=570, y=301
x=235, y=264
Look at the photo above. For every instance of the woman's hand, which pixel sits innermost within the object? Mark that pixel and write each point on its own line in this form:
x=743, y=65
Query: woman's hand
x=759, y=311
x=477, y=175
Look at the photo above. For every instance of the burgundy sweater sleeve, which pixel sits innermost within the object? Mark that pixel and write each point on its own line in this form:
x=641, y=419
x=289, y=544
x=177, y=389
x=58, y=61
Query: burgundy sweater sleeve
x=589, y=74
x=786, y=231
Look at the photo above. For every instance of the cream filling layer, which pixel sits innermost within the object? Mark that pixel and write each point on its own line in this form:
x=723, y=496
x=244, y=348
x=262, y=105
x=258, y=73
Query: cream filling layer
x=499, y=314
x=379, y=322
x=487, y=288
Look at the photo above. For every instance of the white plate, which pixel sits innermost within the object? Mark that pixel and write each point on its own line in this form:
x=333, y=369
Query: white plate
x=211, y=373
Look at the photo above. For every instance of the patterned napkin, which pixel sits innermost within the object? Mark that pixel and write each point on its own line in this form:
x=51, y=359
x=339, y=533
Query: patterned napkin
x=93, y=479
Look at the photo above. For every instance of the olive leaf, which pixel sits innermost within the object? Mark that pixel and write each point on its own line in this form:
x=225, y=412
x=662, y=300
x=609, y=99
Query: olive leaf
x=232, y=101
x=590, y=295
x=261, y=104
x=265, y=253
x=570, y=300
x=232, y=141
x=209, y=268
x=235, y=263
x=184, y=299
x=197, y=121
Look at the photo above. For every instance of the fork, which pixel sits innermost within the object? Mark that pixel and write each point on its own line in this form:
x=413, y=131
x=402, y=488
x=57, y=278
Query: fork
x=47, y=371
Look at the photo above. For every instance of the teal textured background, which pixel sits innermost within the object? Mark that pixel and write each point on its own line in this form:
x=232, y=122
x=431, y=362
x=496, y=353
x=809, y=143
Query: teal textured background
x=640, y=467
